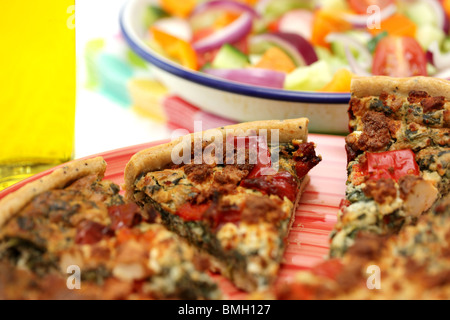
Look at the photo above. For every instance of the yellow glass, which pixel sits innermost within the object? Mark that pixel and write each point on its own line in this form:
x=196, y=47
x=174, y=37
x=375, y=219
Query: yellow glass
x=37, y=86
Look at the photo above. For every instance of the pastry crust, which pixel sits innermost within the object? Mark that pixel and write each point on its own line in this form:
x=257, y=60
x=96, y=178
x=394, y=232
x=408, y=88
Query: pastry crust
x=374, y=86
x=156, y=158
x=15, y=201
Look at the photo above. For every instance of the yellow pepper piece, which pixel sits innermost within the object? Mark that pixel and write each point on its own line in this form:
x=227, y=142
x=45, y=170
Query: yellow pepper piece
x=340, y=83
x=176, y=48
x=178, y=8
x=397, y=25
x=326, y=22
x=276, y=59
x=447, y=7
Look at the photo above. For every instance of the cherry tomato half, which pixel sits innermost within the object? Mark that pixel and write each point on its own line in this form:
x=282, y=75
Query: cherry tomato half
x=397, y=56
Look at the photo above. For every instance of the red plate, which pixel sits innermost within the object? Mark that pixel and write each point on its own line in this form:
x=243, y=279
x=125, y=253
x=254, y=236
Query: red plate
x=308, y=242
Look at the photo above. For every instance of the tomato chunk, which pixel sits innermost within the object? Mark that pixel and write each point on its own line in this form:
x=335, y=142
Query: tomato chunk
x=90, y=232
x=192, y=212
x=390, y=165
x=329, y=268
x=218, y=214
x=398, y=56
x=125, y=215
x=282, y=184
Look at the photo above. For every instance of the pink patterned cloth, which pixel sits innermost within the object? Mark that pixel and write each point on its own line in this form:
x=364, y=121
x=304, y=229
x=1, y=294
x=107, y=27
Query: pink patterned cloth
x=181, y=114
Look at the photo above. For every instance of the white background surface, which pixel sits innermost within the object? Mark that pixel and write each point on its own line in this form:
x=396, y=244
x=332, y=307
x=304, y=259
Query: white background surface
x=102, y=125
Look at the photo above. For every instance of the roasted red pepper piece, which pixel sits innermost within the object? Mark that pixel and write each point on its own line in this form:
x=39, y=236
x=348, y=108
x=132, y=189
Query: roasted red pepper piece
x=282, y=184
x=125, y=215
x=329, y=268
x=390, y=165
x=217, y=214
x=257, y=146
x=90, y=232
x=192, y=212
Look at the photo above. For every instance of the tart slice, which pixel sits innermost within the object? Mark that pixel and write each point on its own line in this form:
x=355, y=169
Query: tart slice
x=231, y=192
x=398, y=155
x=411, y=265
x=72, y=225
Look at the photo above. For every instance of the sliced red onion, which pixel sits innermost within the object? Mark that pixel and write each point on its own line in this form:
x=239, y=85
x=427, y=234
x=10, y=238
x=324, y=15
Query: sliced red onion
x=297, y=47
x=225, y=5
x=297, y=21
x=230, y=34
x=429, y=56
x=446, y=26
x=440, y=60
x=253, y=76
x=360, y=20
x=441, y=16
x=354, y=44
x=175, y=26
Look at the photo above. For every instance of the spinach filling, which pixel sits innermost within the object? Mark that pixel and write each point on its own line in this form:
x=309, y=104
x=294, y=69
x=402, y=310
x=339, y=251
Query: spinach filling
x=22, y=252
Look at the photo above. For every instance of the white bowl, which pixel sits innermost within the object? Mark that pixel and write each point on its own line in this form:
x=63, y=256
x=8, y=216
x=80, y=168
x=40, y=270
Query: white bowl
x=327, y=112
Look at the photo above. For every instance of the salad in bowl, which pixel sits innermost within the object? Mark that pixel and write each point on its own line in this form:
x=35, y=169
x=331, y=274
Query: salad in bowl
x=303, y=45
x=251, y=60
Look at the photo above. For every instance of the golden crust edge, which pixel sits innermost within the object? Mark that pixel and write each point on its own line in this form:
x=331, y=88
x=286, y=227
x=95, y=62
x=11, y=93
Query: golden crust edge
x=15, y=201
x=375, y=85
x=155, y=158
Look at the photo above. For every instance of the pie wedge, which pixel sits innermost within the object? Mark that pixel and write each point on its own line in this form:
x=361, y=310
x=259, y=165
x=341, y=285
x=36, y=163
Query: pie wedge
x=71, y=235
x=398, y=155
x=231, y=192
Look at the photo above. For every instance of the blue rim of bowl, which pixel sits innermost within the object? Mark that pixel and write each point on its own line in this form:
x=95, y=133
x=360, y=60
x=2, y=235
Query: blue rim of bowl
x=228, y=86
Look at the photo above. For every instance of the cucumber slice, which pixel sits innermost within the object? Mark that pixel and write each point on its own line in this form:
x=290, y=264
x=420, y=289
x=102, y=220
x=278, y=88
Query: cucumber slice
x=431, y=70
x=275, y=9
x=334, y=62
x=428, y=34
x=421, y=13
x=338, y=48
x=153, y=13
x=446, y=45
x=309, y=78
x=229, y=57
